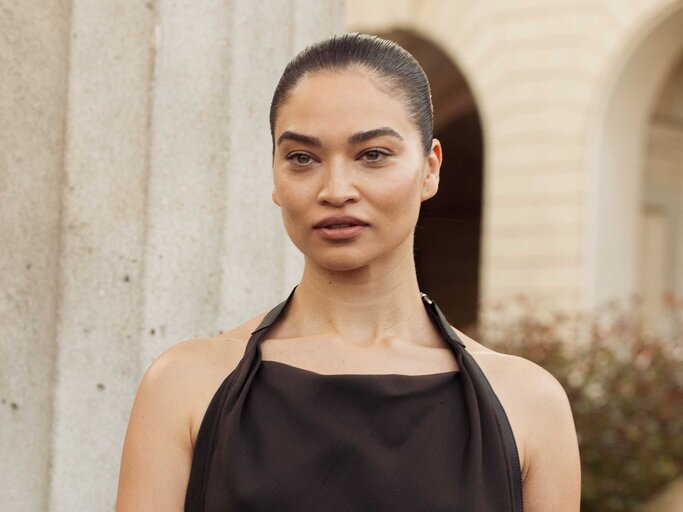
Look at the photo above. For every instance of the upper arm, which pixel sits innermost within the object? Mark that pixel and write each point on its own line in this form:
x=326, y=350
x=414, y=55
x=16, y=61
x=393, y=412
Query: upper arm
x=552, y=477
x=543, y=426
x=157, y=451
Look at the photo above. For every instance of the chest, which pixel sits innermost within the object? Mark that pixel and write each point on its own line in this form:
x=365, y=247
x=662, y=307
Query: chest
x=304, y=441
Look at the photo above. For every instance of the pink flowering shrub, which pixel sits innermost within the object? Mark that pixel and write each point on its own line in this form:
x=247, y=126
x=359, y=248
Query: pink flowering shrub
x=625, y=387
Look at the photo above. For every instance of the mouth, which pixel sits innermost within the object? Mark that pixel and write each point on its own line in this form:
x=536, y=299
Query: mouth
x=337, y=226
x=340, y=230
x=339, y=222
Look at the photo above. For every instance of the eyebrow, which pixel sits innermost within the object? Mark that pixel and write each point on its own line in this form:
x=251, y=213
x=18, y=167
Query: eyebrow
x=360, y=137
x=298, y=137
x=356, y=138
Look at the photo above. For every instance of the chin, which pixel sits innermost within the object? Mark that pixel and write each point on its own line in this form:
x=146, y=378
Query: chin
x=341, y=267
x=344, y=258
x=339, y=263
x=337, y=259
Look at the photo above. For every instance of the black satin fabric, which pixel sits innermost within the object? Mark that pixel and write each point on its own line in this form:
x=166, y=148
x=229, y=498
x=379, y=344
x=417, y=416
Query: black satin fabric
x=276, y=437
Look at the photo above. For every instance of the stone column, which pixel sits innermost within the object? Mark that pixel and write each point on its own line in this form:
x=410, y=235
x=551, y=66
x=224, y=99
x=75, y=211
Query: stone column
x=103, y=233
x=135, y=204
x=34, y=62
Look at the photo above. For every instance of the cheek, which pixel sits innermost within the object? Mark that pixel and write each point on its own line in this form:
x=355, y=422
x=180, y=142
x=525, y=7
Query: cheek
x=293, y=198
x=400, y=196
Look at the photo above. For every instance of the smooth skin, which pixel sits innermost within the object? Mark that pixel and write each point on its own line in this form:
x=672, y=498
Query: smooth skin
x=357, y=308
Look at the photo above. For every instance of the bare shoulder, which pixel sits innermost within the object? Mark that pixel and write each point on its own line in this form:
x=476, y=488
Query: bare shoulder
x=527, y=391
x=192, y=370
x=208, y=354
x=169, y=406
x=539, y=413
x=506, y=370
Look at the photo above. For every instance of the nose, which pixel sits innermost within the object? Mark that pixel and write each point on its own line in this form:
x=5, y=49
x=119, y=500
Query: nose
x=337, y=185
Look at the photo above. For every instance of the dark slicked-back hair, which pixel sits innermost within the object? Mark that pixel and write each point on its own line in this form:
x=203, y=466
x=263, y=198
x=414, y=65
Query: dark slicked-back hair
x=392, y=64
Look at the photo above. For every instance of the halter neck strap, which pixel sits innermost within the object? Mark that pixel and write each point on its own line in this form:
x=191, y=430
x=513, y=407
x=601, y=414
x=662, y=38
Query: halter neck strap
x=435, y=313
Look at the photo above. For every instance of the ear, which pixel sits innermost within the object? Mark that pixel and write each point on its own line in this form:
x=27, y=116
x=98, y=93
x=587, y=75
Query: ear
x=275, y=197
x=430, y=182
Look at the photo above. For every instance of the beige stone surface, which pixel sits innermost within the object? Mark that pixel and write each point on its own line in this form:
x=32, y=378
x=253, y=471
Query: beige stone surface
x=616, y=159
x=102, y=247
x=33, y=91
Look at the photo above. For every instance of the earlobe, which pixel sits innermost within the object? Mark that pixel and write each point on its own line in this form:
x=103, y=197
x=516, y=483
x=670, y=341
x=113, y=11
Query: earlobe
x=275, y=198
x=432, y=169
x=430, y=187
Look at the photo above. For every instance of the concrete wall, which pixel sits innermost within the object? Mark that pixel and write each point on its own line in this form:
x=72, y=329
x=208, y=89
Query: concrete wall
x=544, y=74
x=134, y=204
x=34, y=51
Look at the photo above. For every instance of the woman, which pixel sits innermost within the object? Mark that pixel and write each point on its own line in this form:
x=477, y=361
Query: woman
x=354, y=393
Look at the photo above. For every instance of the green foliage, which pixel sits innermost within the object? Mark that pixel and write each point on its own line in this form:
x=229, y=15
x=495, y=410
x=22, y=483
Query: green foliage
x=625, y=386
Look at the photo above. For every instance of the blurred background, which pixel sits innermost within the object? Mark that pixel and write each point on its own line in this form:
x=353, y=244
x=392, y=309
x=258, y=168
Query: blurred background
x=135, y=211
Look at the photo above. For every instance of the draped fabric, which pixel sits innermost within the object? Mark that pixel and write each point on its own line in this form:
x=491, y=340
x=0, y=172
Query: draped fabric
x=278, y=437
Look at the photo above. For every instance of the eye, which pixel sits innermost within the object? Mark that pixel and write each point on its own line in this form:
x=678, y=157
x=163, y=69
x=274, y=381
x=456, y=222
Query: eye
x=300, y=159
x=374, y=155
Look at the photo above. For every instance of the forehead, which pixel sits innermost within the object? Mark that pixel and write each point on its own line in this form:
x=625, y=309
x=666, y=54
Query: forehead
x=341, y=102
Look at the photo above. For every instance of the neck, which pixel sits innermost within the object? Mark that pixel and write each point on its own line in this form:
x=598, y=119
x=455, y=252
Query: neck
x=373, y=305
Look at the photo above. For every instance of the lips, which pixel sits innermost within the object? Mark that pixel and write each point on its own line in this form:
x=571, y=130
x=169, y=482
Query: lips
x=339, y=222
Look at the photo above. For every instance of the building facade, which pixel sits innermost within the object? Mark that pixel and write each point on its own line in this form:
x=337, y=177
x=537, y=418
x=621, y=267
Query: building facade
x=581, y=110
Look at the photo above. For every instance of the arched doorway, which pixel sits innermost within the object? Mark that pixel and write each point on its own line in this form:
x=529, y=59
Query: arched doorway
x=661, y=270
x=628, y=235
x=448, y=233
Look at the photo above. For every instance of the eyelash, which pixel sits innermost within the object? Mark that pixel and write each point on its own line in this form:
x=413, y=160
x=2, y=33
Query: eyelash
x=383, y=155
x=292, y=157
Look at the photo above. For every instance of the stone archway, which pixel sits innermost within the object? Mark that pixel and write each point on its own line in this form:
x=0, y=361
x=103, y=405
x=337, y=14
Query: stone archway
x=661, y=269
x=448, y=233
x=614, y=254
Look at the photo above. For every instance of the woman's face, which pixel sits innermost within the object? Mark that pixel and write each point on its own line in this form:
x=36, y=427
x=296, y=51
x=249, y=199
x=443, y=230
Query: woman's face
x=346, y=147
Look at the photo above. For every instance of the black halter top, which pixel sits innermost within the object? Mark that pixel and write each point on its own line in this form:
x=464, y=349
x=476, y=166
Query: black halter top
x=280, y=438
